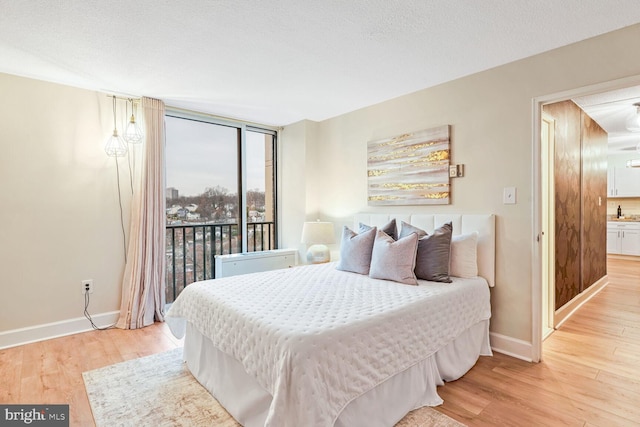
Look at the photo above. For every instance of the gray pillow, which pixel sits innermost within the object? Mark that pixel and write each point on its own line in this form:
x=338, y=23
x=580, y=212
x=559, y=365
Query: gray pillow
x=408, y=229
x=355, y=250
x=389, y=228
x=394, y=260
x=432, y=259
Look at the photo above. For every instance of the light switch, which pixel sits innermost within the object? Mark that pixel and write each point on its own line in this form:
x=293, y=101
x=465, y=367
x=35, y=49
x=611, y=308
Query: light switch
x=509, y=196
x=456, y=171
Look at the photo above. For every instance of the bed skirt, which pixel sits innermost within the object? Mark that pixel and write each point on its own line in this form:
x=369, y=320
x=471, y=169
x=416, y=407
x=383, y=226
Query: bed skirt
x=242, y=396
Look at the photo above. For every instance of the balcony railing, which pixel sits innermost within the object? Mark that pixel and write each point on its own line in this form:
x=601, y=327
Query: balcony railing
x=191, y=248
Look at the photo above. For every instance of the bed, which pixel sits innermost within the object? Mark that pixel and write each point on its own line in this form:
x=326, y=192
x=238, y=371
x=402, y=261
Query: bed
x=318, y=346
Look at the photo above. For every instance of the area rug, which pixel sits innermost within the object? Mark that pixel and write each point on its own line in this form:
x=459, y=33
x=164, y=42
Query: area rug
x=159, y=390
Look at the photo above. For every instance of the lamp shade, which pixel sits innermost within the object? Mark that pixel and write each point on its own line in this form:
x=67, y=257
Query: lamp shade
x=132, y=133
x=318, y=235
x=115, y=145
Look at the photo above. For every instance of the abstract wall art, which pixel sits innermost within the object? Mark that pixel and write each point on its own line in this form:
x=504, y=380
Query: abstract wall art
x=410, y=169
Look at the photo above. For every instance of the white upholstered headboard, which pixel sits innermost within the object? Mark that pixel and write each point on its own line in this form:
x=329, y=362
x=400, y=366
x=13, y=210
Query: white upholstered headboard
x=485, y=225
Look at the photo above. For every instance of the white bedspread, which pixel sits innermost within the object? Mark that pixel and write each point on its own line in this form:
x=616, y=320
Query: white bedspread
x=316, y=338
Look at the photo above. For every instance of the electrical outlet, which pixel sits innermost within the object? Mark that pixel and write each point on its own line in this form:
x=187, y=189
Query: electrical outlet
x=87, y=286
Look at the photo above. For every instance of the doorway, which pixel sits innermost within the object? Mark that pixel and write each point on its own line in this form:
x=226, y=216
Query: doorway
x=544, y=318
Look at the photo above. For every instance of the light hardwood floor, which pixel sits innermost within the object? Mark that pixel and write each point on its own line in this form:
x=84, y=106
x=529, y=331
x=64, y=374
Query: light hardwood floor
x=51, y=371
x=590, y=375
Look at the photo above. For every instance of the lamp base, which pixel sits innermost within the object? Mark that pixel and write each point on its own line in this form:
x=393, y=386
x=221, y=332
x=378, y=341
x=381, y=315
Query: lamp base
x=318, y=254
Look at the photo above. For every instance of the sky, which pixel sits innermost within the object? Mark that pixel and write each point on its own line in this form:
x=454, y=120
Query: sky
x=201, y=155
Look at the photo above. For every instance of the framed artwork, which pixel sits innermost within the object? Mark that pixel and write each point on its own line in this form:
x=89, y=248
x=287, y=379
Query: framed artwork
x=409, y=169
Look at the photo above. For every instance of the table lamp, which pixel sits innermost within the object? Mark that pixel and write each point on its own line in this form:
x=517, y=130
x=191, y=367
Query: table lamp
x=318, y=235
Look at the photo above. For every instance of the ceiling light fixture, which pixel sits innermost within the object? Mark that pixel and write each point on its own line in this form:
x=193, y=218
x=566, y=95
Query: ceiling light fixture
x=115, y=145
x=133, y=133
x=635, y=163
x=633, y=122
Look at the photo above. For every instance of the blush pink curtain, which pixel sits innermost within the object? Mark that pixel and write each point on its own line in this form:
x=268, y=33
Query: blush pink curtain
x=143, y=296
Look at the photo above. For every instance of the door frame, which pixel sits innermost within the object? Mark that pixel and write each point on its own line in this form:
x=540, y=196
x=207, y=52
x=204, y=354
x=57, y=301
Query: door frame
x=547, y=235
x=536, y=154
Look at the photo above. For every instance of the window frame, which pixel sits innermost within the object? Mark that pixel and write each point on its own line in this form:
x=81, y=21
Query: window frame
x=242, y=127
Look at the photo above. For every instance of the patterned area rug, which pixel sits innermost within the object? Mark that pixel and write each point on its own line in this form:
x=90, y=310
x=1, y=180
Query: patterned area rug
x=159, y=390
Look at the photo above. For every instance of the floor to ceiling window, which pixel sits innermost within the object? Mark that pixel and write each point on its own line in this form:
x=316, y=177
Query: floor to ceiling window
x=221, y=194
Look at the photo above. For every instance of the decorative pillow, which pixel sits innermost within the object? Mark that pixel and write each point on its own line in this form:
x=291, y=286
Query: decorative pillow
x=432, y=259
x=389, y=228
x=464, y=259
x=394, y=260
x=355, y=250
x=408, y=229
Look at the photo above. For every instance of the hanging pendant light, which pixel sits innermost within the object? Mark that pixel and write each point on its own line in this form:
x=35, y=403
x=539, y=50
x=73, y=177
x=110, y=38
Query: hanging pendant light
x=633, y=122
x=115, y=145
x=133, y=133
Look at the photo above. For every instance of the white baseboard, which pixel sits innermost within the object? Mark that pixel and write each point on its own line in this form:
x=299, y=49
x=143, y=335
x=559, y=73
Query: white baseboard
x=566, y=311
x=522, y=349
x=511, y=346
x=625, y=257
x=47, y=331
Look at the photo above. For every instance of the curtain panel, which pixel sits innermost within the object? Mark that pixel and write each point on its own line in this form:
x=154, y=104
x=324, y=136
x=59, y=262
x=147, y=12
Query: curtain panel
x=143, y=296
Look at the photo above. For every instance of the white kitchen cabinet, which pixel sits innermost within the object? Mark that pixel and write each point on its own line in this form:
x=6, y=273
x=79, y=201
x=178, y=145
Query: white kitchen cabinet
x=611, y=184
x=623, y=238
x=630, y=242
x=613, y=240
x=623, y=182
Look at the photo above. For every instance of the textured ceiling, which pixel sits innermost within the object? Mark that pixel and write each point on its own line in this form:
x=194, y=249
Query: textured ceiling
x=277, y=62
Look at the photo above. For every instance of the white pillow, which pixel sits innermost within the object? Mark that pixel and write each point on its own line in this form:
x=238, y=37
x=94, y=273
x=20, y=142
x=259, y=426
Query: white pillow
x=463, y=260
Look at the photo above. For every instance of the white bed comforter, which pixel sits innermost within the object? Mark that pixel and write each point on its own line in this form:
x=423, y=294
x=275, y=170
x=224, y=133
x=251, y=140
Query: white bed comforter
x=316, y=338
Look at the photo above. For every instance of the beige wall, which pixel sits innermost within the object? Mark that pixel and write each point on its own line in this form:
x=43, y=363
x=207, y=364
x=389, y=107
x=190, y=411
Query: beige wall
x=292, y=183
x=59, y=217
x=490, y=114
x=630, y=207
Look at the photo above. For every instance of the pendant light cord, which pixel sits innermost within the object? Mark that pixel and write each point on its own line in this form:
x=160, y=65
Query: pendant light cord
x=124, y=236
x=130, y=173
x=114, y=114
